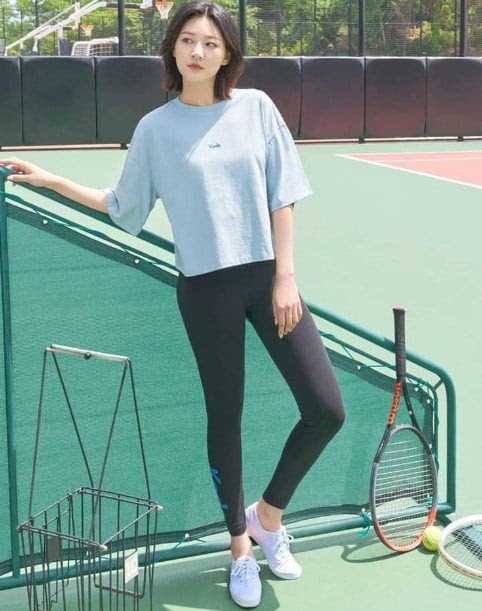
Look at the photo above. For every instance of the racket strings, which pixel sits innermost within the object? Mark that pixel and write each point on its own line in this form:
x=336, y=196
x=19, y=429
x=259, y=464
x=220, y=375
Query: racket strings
x=404, y=491
x=464, y=546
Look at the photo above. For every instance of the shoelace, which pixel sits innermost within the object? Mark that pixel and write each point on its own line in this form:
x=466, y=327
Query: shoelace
x=283, y=546
x=245, y=569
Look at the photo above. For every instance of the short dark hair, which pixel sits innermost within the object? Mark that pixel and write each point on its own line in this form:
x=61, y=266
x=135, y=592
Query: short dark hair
x=227, y=75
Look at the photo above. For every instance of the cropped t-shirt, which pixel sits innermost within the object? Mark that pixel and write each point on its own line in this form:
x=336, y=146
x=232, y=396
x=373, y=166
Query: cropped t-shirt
x=219, y=170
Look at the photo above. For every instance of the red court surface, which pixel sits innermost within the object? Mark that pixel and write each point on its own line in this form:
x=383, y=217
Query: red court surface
x=462, y=167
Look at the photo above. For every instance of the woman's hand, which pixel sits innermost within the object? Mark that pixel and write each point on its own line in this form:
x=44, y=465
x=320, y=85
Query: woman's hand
x=286, y=304
x=27, y=172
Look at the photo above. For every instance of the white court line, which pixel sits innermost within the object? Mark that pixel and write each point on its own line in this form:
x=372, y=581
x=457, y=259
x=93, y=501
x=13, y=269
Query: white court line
x=417, y=160
x=419, y=153
x=390, y=167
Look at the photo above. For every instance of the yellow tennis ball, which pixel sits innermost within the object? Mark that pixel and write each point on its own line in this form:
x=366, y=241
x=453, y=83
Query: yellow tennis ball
x=430, y=538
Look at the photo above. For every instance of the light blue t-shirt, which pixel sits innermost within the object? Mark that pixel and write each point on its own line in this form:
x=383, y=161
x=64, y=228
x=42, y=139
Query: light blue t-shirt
x=219, y=170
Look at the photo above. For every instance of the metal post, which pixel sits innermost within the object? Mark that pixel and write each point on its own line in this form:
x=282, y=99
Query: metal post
x=350, y=23
x=242, y=26
x=278, y=27
x=301, y=17
x=315, y=15
x=121, y=26
x=456, y=2
x=8, y=370
x=361, y=28
x=3, y=38
x=463, y=28
x=37, y=24
x=420, y=37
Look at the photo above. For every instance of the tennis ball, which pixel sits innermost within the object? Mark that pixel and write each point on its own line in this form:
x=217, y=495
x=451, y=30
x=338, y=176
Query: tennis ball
x=430, y=538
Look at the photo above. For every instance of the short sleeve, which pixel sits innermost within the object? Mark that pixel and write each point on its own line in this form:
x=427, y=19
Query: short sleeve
x=130, y=203
x=286, y=180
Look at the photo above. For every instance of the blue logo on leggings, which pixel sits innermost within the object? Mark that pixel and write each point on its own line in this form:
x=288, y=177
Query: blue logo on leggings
x=217, y=484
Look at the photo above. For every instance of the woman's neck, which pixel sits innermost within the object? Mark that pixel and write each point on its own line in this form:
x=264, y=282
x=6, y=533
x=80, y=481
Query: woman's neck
x=198, y=96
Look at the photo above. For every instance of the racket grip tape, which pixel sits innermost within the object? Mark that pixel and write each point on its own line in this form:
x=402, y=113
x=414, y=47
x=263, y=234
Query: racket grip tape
x=400, y=351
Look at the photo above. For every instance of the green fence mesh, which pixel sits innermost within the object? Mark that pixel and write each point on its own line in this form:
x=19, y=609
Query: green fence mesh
x=70, y=287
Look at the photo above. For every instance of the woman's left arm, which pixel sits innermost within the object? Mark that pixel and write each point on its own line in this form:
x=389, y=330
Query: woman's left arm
x=286, y=300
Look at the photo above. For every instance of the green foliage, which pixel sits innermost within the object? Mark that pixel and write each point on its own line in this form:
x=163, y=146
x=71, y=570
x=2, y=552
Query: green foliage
x=283, y=27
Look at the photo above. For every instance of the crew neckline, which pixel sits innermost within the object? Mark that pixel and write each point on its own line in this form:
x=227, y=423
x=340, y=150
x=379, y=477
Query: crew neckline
x=202, y=109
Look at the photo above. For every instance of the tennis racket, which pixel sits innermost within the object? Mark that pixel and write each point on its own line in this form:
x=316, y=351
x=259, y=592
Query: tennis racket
x=460, y=545
x=403, y=482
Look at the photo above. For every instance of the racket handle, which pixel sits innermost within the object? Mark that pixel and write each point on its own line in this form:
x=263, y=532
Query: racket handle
x=400, y=353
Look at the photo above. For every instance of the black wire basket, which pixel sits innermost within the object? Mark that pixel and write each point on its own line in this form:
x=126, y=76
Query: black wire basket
x=100, y=543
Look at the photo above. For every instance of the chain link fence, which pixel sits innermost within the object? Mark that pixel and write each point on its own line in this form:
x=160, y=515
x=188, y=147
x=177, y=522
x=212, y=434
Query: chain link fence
x=371, y=27
x=474, y=28
x=286, y=27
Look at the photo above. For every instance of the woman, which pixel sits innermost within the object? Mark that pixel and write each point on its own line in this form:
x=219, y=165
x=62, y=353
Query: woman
x=225, y=166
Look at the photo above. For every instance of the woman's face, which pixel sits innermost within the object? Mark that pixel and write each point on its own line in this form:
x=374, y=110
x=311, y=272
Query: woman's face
x=200, y=51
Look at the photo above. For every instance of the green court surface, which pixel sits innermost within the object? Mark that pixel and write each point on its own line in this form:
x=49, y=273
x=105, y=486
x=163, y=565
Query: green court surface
x=369, y=238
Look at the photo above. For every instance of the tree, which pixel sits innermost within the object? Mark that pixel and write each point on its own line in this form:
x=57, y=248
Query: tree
x=284, y=27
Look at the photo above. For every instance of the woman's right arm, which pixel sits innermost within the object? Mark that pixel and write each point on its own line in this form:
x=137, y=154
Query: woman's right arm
x=26, y=172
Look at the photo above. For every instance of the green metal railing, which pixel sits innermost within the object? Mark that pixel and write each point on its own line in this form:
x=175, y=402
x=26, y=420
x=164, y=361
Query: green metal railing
x=8, y=368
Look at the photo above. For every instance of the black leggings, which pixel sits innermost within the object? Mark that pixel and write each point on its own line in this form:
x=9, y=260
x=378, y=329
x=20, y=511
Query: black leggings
x=214, y=308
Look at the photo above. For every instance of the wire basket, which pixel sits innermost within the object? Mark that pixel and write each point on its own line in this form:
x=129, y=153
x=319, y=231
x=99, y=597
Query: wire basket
x=101, y=541
x=68, y=542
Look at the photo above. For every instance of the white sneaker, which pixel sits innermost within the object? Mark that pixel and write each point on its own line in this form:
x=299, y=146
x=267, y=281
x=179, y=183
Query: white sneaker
x=275, y=546
x=244, y=582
